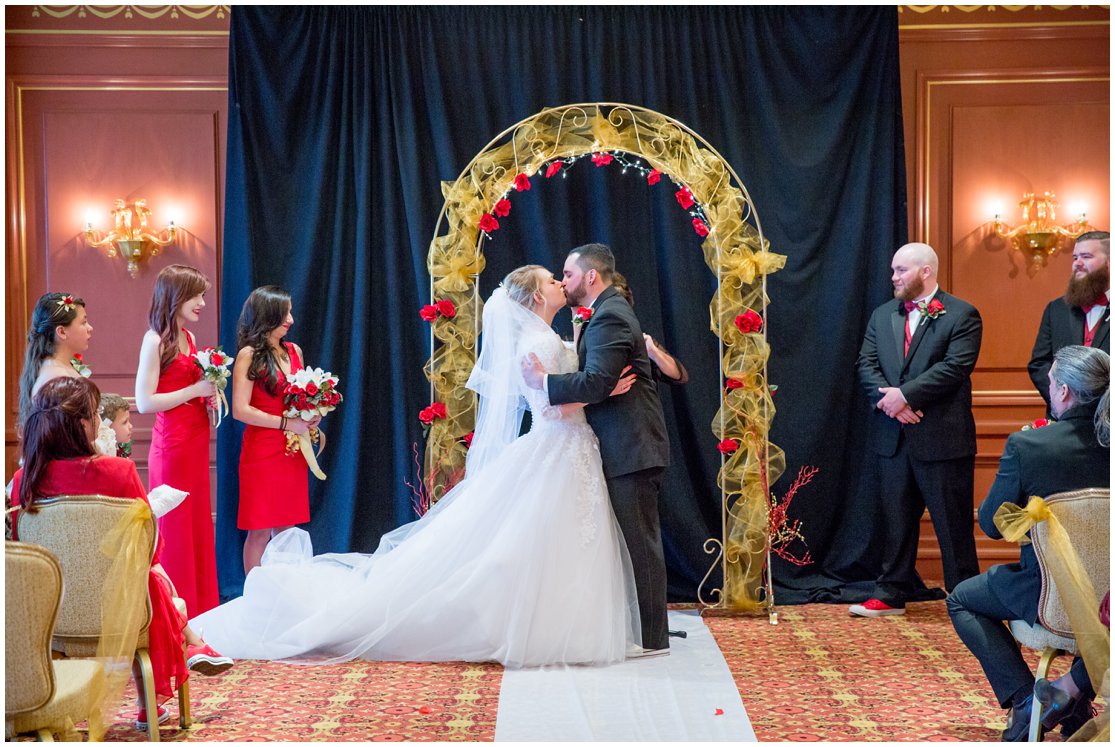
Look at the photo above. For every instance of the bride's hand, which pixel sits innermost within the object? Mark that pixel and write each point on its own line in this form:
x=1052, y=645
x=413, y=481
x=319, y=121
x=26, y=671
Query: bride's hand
x=626, y=381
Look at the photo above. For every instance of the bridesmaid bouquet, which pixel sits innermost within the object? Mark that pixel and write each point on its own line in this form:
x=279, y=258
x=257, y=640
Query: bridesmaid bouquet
x=310, y=393
x=214, y=366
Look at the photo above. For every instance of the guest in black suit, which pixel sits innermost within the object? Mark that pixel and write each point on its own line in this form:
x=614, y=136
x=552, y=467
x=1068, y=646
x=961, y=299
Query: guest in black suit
x=632, y=432
x=1070, y=454
x=1082, y=315
x=915, y=366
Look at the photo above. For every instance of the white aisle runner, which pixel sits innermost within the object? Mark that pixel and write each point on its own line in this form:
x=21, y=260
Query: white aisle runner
x=667, y=698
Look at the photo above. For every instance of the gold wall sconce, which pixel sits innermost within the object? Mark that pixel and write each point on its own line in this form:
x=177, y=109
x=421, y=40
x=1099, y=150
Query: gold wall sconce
x=1038, y=236
x=131, y=234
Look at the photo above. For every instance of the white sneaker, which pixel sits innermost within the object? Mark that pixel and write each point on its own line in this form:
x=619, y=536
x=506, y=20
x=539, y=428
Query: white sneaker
x=638, y=652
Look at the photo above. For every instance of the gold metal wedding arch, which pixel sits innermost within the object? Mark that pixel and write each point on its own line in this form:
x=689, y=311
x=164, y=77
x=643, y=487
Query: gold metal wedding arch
x=734, y=249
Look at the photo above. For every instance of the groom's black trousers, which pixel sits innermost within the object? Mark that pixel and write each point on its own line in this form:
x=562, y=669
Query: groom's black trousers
x=635, y=501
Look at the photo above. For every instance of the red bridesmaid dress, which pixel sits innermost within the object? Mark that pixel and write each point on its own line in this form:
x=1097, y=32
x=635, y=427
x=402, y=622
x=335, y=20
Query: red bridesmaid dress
x=179, y=457
x=274, y=484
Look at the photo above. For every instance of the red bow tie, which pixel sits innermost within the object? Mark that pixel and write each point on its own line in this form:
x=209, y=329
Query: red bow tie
x=910, y=306
x=1101, y=301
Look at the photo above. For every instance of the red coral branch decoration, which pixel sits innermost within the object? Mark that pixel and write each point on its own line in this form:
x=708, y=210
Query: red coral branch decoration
x=783, y=530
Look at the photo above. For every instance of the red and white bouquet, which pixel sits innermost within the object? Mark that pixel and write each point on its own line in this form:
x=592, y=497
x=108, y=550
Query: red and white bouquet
x=214, y=365
x=310, y=393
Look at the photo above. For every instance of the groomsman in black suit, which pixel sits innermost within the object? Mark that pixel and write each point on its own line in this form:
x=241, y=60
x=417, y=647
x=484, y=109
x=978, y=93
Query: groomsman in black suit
x=915, y=366
x=1081, y=316
x=634, y=446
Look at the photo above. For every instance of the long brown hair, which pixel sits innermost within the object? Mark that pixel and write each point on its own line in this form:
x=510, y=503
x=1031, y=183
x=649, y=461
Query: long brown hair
x=264, y=310
x=49, y=314
x=175, y=285
x=54, y=430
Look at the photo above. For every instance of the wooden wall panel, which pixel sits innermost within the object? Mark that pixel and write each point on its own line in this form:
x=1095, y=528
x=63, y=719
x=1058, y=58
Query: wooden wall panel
x=994, y=107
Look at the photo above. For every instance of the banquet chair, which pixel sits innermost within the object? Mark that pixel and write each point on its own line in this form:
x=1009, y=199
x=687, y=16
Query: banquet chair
x=40, y=695
x=1084, y=514
x=72, y=526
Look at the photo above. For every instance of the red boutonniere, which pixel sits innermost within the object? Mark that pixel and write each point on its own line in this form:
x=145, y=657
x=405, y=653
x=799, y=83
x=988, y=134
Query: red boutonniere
x=602, y=159
x=654, y=176
x=79, y=365
x=488, y=223
x=932, y=310
x=685, y=198
x=522, y=183
x=728, y=446
x=582, y=315
x=553, y=168
x=502, y=208
x=749, y=322
x=1039, y=423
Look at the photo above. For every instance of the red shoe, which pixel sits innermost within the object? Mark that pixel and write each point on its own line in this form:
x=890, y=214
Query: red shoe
x=141, y=717
x=875, y=608
x=204, y=660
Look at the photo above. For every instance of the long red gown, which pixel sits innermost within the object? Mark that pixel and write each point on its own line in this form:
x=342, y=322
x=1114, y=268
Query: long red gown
x=274, y=485
x=179, y=457
x=117, y=477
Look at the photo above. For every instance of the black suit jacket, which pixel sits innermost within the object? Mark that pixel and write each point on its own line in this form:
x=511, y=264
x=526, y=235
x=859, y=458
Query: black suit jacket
x=935, y=378
x=1061, y=456
x=1061, y=325
x=631, y=428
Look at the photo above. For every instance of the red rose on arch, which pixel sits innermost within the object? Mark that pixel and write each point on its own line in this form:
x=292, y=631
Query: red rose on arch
x=685, y=198
x=488, y=223
x=467, y=440
x=654, y=176
x=522, y=183
x=438, y=409
x=728, y=446
x=428, y=312
x=700, y=227
x=733, y=384
x=502, y=208
x=602, y=159
x=553, y=168
x=749, y=322
x=446, y=308
x=426, y=416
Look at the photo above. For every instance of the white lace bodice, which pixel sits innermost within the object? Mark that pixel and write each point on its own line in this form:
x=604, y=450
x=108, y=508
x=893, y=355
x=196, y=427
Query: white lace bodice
x=556, y=357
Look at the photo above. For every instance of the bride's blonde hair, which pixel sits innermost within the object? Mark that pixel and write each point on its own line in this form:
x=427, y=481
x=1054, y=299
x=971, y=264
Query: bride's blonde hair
x=522, y=283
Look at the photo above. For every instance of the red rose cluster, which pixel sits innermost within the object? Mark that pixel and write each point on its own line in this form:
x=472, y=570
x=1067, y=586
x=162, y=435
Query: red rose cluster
x=749, y=322
x=432, y=311
x=436, y=411
x=311, y=396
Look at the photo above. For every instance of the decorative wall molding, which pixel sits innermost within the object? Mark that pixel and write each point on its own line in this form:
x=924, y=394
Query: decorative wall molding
x=150, y=12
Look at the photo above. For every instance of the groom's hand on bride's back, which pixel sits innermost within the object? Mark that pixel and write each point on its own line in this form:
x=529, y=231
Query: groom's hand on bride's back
x=533, y=372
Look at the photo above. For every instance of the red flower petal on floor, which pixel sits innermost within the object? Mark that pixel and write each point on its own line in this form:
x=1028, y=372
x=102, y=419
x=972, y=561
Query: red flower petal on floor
x=719, y=711
x=522, y=183
x=425, y=709
x=654, y=176
x=488, y=223
x=700, y=227
x=502, y=208
x=684, y=198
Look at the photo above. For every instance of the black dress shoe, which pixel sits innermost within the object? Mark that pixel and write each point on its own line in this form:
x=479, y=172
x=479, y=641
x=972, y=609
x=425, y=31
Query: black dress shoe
x=1018, y=722
x=1084, y=712
x=1061, y=708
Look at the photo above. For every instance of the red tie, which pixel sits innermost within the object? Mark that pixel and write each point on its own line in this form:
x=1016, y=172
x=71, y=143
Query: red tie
x=910, y=306
x=1101, y=301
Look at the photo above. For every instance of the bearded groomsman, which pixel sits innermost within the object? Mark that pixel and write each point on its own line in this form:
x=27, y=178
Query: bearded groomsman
x=915, y=366
x=1081, y=316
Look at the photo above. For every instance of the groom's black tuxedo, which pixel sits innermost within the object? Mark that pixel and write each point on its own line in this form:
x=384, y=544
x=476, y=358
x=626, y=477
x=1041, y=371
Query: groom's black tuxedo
x=931, y=463
x=634, y=446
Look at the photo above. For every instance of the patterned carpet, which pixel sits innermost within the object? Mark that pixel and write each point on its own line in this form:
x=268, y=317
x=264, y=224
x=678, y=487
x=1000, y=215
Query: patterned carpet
x=820, y=675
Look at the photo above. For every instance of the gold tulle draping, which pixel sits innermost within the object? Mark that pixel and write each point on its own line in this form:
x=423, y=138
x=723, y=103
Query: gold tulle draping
x=1073, y=584
x=733, y=250
x=123, y=608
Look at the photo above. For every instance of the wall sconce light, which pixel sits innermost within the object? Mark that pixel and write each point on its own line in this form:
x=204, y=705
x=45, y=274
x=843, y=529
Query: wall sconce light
x=131, y=234
x=1038, y=236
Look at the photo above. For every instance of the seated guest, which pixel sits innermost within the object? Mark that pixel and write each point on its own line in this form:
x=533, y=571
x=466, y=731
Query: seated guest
x=60, y=459
x=1070, y=454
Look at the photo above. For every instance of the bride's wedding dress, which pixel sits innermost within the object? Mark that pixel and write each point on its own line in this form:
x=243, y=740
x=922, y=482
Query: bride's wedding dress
x=521, y=563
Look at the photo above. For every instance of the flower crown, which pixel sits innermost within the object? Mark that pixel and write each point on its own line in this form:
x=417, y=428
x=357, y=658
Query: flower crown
x=67, y=302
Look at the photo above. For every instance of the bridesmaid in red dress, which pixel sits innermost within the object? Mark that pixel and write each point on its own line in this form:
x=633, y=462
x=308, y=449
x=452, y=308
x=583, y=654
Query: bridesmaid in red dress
x=274, y=484
x=58, y=433
x=169, y=384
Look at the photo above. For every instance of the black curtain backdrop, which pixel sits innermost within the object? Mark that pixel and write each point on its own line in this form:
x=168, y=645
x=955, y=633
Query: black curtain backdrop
x=343, y=122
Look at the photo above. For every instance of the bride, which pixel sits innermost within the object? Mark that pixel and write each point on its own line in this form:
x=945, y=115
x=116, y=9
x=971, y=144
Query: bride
x=521, y=563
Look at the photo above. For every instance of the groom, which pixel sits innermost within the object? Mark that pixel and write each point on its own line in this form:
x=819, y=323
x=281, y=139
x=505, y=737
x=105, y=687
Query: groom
x=632, y=432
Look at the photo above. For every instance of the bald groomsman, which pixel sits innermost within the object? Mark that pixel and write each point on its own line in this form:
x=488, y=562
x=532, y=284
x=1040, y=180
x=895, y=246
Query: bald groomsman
x=915, y=367
x=1081, y=316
